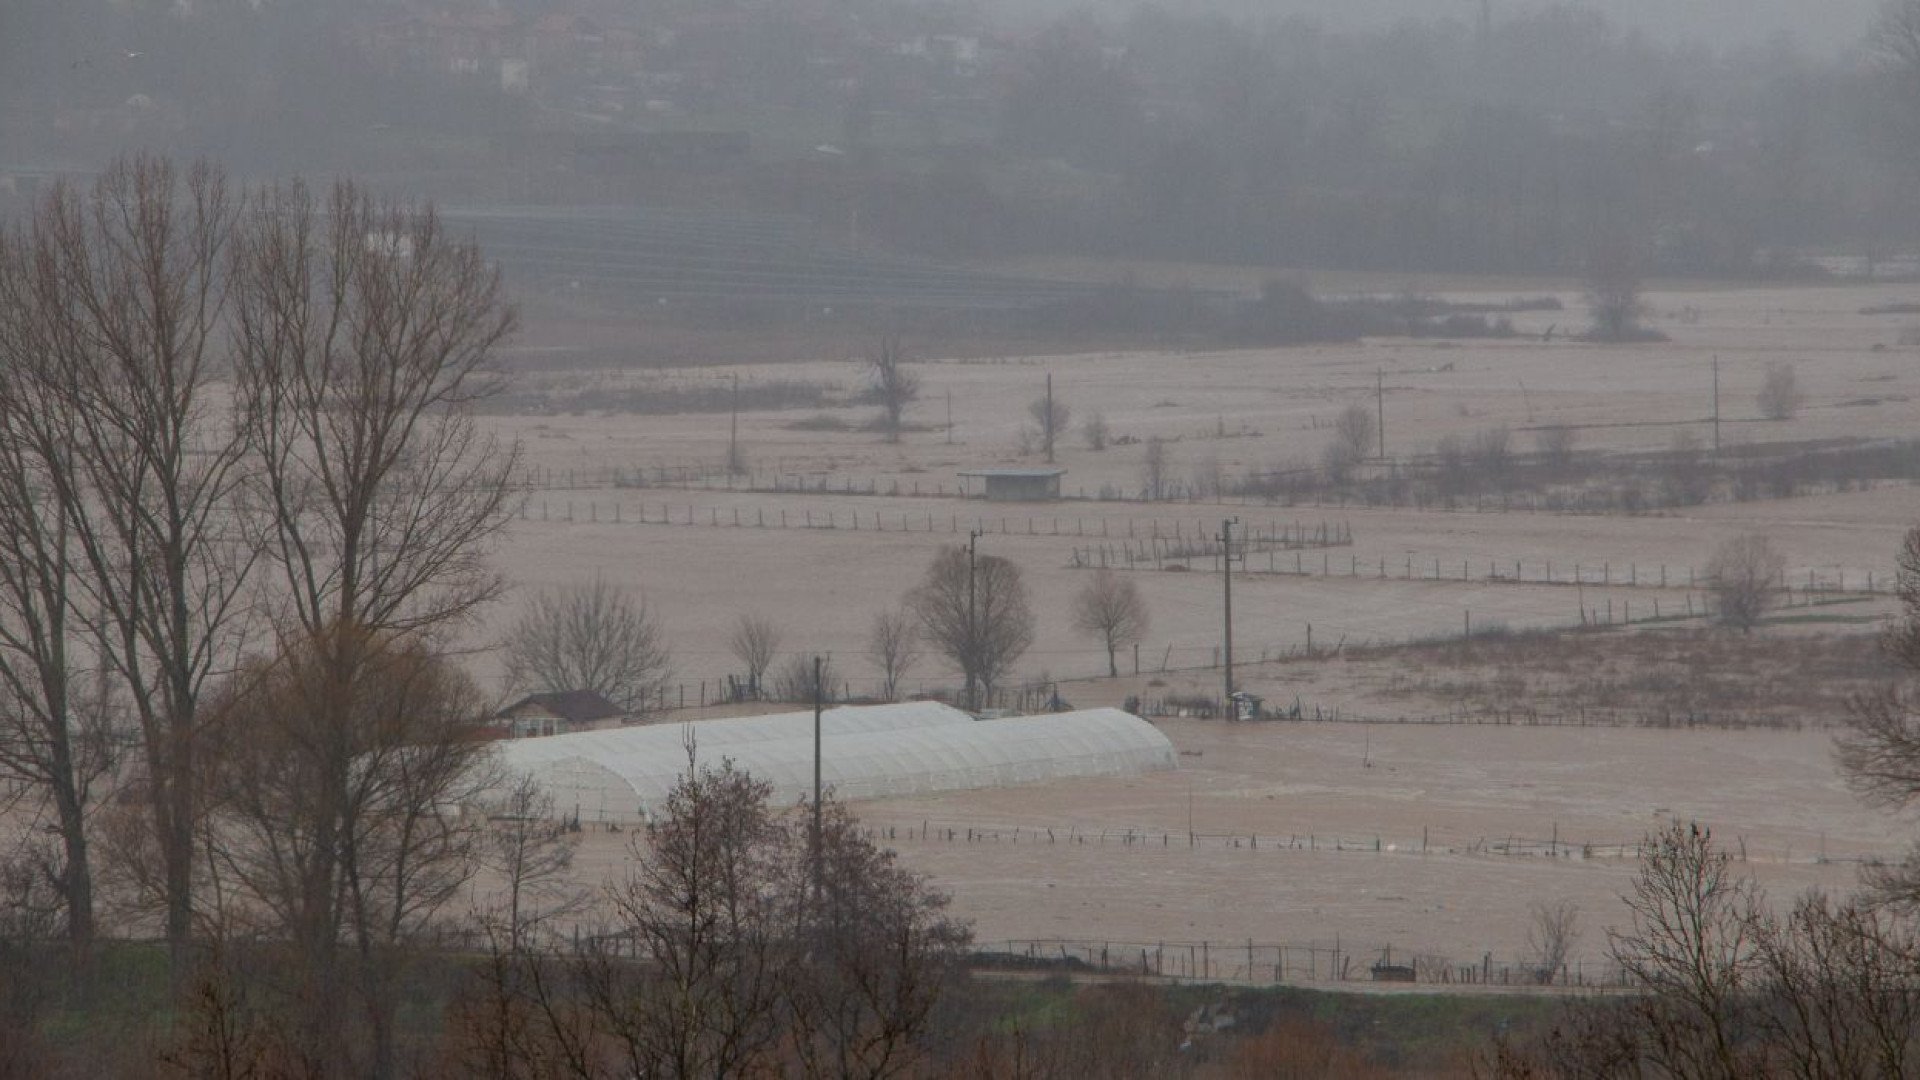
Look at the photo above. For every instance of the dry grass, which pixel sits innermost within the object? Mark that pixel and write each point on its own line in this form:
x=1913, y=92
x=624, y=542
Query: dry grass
x=1741, y=678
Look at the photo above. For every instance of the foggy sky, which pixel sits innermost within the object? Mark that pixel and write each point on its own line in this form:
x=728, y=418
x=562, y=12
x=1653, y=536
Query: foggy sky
x=1822, y=25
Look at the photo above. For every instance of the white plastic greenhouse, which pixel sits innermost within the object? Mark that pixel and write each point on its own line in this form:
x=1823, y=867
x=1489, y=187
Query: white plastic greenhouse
x=867, y=753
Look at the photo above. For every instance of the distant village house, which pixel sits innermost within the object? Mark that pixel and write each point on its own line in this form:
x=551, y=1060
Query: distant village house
x=559, y=714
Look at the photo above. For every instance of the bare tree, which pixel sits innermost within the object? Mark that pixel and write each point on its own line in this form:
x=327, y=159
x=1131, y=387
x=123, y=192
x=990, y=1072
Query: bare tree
x=1613, y=291
x=1209, y=478
x=703, y=908
x=1337, y=460
x=1155, y=470
x=54, y=722
x=893, y=646
x=743, y=944
x=754, y=642
x=1492, y=451
x=1354, y=429
x=349, y=871
x=1552, y=933
x=794, y=681
x=1779, y=397
x=1692, y=946
x=1879, y=752
x=1741, y=577
x=1095, y=431
x=1555, y=445
x=883, y=952
x=130, y=296
x=597, y=637
x=365, y=341
x=1841, y=977
x=1051, y=418
x=1111, y=609
x=1687, y=481
x=1725, y=988
x=976, y=616
x=364, y=336
x=893, y=384
x=530, y=853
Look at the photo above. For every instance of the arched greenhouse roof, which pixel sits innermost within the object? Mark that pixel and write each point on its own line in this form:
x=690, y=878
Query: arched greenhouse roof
x=867, y=753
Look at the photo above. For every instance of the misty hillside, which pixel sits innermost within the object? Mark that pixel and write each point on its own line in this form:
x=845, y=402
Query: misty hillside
x=949, y=132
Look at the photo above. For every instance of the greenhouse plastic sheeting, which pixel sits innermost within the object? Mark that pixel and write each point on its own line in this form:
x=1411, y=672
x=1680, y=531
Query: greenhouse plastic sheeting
x=867, y=753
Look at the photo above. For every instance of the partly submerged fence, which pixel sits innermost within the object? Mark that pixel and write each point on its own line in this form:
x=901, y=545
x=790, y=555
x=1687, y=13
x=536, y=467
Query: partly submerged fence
x=1256, y=963
x=1291, y=558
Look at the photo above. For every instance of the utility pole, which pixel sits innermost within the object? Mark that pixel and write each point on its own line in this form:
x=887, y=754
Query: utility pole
x=1716, y=403
x=733, y=429
x=973, y=628
x=1226, y=581
x=818, y=695
x=1049, y=419
x=1380, y=407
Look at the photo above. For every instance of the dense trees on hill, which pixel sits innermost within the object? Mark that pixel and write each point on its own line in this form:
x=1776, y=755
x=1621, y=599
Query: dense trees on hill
x=1424, y=145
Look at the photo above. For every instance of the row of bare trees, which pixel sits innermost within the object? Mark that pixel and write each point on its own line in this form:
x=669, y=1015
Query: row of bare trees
x=606, y=639
x=244, y=500
x=745, y=942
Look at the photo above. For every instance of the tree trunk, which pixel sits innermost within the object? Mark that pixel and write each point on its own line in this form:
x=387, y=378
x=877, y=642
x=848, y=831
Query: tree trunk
x=77, y=879
x=177, y=856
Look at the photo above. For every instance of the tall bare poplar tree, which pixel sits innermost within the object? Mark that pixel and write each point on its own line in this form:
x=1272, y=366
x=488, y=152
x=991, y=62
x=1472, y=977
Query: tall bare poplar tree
x=131, y=284
x=363, y=338
x=53, y=734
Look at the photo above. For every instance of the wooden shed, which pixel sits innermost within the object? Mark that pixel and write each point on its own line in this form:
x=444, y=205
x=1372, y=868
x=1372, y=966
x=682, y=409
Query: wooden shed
x=1014, y=484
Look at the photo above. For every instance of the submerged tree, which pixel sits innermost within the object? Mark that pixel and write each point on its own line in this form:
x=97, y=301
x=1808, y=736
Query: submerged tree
x=1779, y=397
x=1051, y=416
x=1111, y=609
x=754, y=642
x=893, y=384
x=1613, y=290
x=1742, y=576
x=975, y=612
x=893, y=646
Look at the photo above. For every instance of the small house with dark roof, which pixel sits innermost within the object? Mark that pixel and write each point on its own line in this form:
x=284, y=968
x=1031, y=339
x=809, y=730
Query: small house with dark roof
x=559, y=714
x=1039, y=483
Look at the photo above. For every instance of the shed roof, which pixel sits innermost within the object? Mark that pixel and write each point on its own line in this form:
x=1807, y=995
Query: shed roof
x=1020, y=472
x=573, y=706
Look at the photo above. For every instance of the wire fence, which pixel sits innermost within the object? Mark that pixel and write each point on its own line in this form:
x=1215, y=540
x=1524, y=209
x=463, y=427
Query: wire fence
x=1253, y=963
x=1657, y=719
x=1154, y=554
x=1246, y=963
x=1142, y=543
x=1191, y=535
x=1246, y=491
x=1430, y=842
